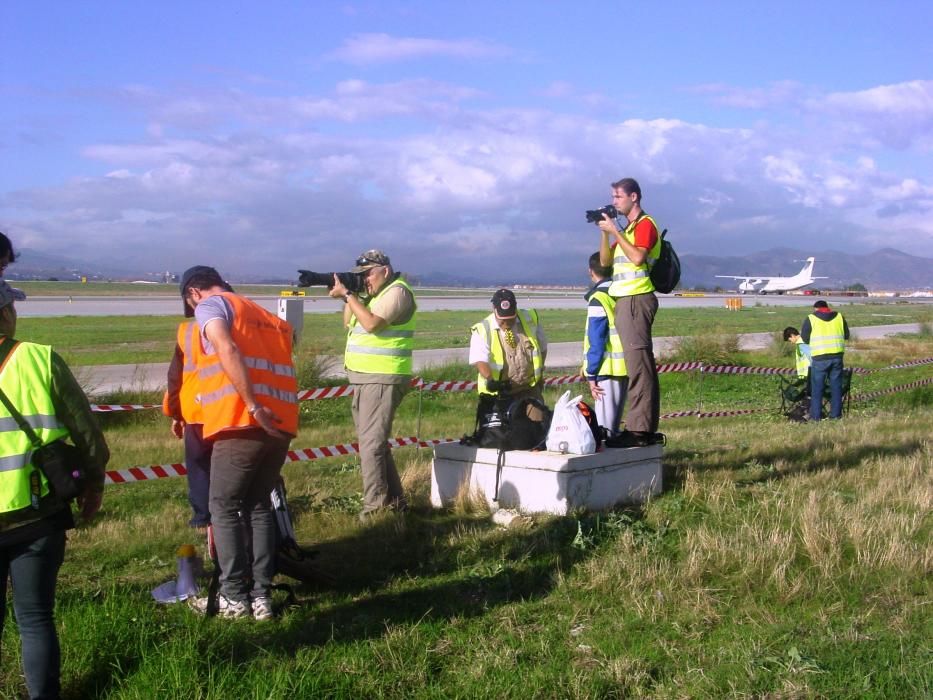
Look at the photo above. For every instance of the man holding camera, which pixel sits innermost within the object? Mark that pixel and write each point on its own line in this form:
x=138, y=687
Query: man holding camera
x=508, y=349
x=378, y=359
x=631, y=253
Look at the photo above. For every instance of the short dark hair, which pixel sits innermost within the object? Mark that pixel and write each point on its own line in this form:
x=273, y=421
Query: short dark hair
x=628, y=185
x=820, y=305
x=6, y=248
x=597, y=268
x=789, y=331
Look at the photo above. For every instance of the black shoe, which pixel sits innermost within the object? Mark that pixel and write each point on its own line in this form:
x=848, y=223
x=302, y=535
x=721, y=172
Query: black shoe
x=628, y=438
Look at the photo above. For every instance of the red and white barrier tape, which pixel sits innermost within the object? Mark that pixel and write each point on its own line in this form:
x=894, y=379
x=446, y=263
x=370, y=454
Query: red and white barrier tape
x=333, y=392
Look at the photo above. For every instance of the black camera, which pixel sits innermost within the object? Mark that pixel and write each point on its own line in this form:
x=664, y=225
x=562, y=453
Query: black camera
x=594, y=216
x=353, y=281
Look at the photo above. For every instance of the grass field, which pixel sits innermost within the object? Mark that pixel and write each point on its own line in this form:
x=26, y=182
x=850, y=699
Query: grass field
x=143, y=339
x=780, y=561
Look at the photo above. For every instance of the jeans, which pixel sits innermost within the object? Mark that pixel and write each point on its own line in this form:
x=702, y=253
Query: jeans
x=245, y=466
x=33, y=568
x=820, y=369
x=198, y=465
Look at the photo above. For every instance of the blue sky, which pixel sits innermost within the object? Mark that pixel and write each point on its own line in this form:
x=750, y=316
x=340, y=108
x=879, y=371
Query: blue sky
x=464, y=139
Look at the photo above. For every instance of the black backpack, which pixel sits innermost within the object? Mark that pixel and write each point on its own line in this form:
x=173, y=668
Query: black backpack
x=665, y=273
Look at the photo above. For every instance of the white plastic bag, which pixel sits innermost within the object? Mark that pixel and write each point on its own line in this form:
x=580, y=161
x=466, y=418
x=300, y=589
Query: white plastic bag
x=569, y=430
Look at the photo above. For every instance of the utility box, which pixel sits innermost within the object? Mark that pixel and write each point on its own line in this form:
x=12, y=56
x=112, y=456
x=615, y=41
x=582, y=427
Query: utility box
x=546, y=482
x=293, y=311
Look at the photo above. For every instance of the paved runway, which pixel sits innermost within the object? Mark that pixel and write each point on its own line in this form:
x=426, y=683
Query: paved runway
x=36, y=306
x=104, y=379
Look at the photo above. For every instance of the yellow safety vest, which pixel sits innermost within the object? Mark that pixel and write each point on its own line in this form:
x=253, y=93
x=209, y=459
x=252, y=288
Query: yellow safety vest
x=388, y=351
x=803, y=361
x=613, y=363
x=826, y=337
x=26, y=378
x=629, y=279
x=487, y=329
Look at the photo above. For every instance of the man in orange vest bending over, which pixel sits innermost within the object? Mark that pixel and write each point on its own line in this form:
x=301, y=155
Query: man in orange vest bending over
x=246, y=380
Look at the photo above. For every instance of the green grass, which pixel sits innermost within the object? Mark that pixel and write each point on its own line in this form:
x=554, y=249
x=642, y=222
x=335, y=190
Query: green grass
x=780, y=561
x=144, y=339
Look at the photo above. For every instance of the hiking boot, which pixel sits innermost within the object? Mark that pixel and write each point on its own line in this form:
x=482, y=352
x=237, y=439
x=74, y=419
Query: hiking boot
x=262, y=608
x=225, y=606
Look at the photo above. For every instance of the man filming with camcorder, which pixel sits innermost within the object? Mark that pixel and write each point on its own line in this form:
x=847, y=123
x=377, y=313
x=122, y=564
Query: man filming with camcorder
x=378, y=359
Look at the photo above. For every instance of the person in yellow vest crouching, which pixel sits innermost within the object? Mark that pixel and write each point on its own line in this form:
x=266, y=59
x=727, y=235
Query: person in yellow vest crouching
x=826, y=332
x=248, y=396
x=801, y=352
x=40, y=388
x=508, y=349
x=378, y=359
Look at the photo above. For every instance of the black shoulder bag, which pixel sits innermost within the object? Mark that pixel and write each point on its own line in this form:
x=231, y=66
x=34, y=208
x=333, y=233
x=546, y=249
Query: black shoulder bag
x=62, y=464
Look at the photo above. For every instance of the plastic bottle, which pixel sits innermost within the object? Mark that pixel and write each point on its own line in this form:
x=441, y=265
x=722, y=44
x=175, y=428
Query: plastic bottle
x=186, y=557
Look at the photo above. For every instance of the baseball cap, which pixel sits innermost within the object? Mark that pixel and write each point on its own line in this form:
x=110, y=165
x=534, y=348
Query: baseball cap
x=503, y=302
x=207, y=274
x=820, y=305
x=370, y=259
x=10, y=294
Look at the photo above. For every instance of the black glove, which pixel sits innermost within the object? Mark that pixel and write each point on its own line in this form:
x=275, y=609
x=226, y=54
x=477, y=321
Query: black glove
x=493, y=385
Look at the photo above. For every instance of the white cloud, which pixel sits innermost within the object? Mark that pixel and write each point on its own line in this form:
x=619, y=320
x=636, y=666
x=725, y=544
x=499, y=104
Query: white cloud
x=365, y=49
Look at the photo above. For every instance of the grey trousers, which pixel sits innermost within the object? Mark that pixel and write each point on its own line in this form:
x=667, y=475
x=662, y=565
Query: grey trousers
x=374, y=408
x=609, y=407
x=634, y=317
x=245, y=465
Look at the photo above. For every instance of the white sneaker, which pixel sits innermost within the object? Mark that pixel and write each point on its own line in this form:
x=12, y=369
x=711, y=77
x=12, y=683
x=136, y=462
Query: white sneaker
x=262, y=608
x=225, y=606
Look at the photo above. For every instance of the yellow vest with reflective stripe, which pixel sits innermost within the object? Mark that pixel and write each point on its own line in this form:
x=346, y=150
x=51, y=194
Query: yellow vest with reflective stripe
x=26, y=378
x=488, y=330
x=388, y=351
x=613, y=363
x=629, y=279
x=803, y=361
x=827, y=337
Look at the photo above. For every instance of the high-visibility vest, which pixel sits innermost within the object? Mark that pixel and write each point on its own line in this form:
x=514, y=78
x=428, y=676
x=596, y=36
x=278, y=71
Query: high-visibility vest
x=613, y=363
x=26, y=378
x=388, y=351
x=265, y=345
x=802, y=360
x=189, y=340
x=827, y=337
x=629, y=279
x=487, y=329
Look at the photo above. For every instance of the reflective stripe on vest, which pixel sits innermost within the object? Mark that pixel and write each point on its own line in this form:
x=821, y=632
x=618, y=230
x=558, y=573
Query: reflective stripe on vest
x=26, y=378
x=190, y=343
x=488, y=328
x=802, y=360
x=629, y=279
x=388, y=351
x=826, y=337
x=613, y=364
x=264, y=342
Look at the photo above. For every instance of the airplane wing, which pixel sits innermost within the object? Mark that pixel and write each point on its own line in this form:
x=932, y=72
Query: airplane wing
x=751, y=277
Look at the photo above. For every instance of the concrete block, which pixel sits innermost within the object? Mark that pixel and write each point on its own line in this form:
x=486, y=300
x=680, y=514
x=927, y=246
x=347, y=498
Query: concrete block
x=547, y=482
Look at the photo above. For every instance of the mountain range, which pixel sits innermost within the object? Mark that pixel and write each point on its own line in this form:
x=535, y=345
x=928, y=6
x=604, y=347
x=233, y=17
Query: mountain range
x=884, y=269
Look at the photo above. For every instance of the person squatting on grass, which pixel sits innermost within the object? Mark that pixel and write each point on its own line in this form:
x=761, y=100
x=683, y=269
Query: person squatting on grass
x=248, y=392
x=631, y=255
x=801, y=352
x=826, y=332
x=33, y=521
x=603, y=357
x=378, y=360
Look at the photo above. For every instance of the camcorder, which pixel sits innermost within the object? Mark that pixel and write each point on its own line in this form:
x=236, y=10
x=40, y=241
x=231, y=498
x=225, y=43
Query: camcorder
x=594, y=216
x=353, y=281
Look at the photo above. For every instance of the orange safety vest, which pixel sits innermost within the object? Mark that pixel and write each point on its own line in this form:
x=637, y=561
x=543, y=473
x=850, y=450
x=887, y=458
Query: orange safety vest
x=265, y=345
x=189, y=340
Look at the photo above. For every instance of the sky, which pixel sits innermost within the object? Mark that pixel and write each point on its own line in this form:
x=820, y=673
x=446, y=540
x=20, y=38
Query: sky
x=466, y=140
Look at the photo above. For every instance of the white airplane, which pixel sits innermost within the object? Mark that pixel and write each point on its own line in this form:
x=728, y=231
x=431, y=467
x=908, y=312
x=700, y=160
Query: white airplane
x=776, y=285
